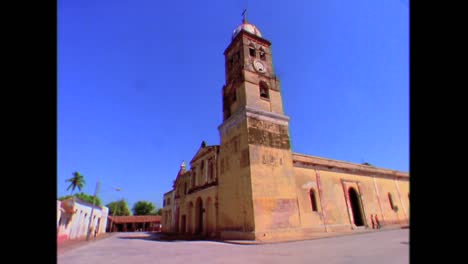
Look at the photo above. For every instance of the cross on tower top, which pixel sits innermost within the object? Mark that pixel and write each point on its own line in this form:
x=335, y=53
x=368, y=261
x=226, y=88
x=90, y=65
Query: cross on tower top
x=244, y=15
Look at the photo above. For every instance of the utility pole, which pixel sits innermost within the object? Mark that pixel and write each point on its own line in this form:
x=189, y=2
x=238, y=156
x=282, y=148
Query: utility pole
x=113, y=212
x=92, y=211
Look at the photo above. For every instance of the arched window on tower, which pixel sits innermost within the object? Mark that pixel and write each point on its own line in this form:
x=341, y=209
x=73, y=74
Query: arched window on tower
x=390, y=200
x=252, y=51
x=262, y=54
x=313, y=200
x=264, y=91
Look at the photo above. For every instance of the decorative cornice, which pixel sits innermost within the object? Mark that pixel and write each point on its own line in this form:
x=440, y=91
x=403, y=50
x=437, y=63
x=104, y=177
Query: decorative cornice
x=168, y=192
x=249, y=35
x=313, y=162
x=202, y=187
x=234, y=120
x=204, y=153
x=247, y=111
x=267, y=116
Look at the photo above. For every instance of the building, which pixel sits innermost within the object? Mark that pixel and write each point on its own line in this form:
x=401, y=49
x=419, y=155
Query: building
x=134, y=223
x=253, y=186
x=74, y=216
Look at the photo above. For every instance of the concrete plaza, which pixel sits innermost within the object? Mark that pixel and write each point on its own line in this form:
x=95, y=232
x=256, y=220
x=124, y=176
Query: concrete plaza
x=382, y=247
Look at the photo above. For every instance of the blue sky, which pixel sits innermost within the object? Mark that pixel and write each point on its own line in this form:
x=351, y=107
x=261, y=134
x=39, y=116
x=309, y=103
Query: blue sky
x=139, y=84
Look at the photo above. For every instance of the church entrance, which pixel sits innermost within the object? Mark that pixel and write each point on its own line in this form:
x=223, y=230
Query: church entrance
x=355, y=207
x=199, y=216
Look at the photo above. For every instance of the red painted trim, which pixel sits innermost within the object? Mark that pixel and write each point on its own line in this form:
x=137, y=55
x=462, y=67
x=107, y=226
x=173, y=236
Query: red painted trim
x=322, y=203
x=348, y=205
x=363, y=211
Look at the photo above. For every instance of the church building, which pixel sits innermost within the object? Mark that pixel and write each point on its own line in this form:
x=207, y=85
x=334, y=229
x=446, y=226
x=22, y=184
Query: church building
x=253, y=186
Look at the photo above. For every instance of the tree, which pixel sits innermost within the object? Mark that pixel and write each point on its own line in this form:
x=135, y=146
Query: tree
x=65, y=197
x=159, y=212
x=77, y=181
x=84, y=197
x=118, y=208
x=89, y=198
x=144, y=208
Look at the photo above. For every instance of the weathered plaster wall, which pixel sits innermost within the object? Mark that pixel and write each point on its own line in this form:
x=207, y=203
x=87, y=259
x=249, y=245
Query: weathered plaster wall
x=234, y=189
x=74, y=225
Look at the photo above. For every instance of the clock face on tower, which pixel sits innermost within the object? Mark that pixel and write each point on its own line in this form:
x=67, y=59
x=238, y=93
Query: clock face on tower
x=258, y=66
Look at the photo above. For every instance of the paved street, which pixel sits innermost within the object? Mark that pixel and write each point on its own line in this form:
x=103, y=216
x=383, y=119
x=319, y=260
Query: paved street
x=382, y=247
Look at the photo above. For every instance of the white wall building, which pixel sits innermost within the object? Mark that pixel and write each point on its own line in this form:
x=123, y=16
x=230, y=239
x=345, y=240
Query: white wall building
x=73, y=219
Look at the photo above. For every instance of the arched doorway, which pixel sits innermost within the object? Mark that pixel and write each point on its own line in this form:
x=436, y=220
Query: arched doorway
x=355, y=207
x=313, y=200
x=199, y=216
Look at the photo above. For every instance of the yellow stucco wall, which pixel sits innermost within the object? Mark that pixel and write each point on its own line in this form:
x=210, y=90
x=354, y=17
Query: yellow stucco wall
x=404, y=190
x=305, y=180
x=234, y=187
x=399, y=193
x=166, y=217
x=251, y=196
x=274, y=196
x=373, y=191
x=188, y=205
x=250, y=91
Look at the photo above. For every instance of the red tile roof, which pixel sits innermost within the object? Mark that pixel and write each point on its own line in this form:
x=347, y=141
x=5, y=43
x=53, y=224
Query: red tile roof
x=135, y=218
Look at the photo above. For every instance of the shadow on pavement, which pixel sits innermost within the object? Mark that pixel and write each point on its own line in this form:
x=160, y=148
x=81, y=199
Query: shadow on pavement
x=162, y=237
x=165, y=237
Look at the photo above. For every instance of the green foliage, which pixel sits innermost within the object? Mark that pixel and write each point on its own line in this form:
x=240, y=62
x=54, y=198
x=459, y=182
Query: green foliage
x=159, y=212
x=118, y=208
x=144, y=208
x=84, y=197
x=77, y=181
x=89, y=198
x=65, y=197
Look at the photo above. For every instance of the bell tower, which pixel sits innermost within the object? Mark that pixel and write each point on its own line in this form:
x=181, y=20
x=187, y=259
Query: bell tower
x=256, y=188
x=250, y=78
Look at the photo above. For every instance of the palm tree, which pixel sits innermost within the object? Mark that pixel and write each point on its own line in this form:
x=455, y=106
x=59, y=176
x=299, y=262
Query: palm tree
x=76, y=181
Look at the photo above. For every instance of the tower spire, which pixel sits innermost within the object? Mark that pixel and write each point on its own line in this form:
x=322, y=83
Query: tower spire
x=244, y=16
x=182, y=166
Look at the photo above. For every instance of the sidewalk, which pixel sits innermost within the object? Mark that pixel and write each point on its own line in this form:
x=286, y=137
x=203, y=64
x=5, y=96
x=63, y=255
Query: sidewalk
x=73, y=244
x=68, y=245
x=314, y=236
